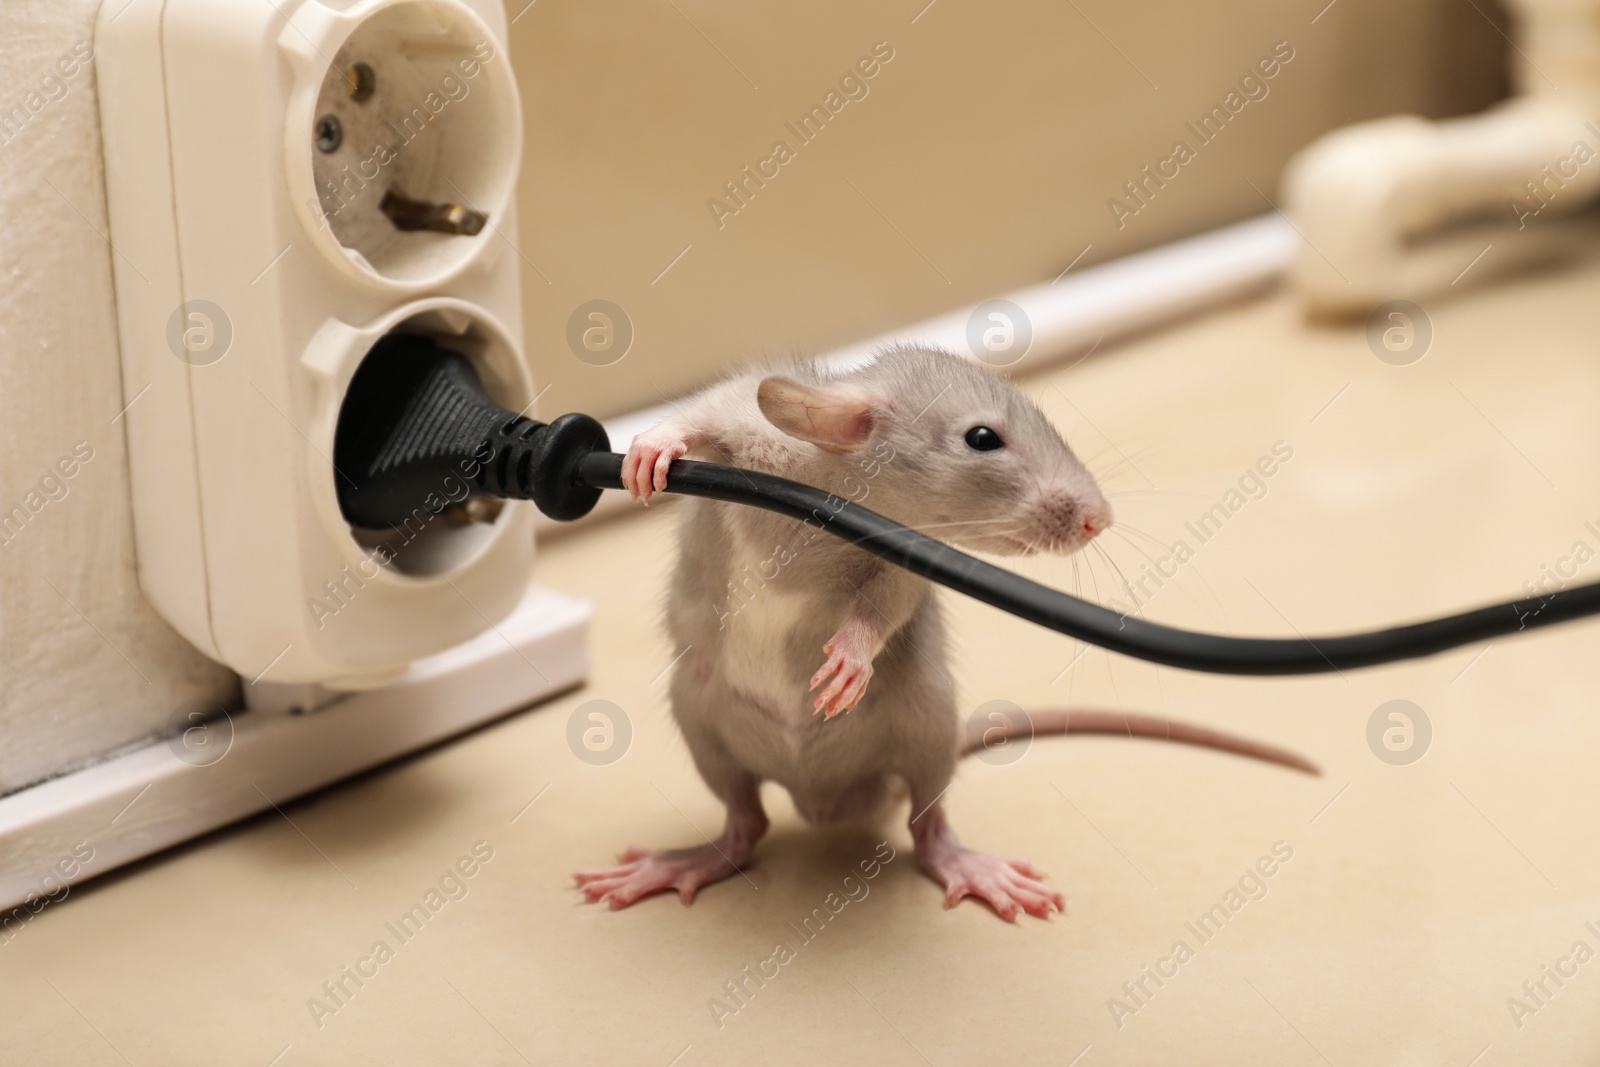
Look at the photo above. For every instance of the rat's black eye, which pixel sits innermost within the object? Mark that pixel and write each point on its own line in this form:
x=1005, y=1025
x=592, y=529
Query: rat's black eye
x=983, y=439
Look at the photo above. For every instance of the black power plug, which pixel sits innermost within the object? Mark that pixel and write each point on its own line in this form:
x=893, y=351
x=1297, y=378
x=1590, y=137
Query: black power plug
x=416, y=419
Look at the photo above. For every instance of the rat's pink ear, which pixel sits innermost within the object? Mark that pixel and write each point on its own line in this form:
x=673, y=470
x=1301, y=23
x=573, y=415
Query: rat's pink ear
x=837, y=417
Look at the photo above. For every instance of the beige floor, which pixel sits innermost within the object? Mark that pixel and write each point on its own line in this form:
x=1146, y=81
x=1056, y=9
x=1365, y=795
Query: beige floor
x=1417, y=901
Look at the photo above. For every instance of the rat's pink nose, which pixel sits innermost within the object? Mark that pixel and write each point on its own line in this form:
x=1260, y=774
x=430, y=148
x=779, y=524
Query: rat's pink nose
x=1095, y=521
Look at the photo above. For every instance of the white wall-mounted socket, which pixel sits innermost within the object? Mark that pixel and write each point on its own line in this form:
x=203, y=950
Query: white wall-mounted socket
x=287, y=183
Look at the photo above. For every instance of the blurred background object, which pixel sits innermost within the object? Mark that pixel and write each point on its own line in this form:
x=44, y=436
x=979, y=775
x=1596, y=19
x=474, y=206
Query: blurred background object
x=1404, y=208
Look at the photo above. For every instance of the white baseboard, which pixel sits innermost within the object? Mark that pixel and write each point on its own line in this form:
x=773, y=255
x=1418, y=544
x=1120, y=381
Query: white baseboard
x=149, y=799
x=1076, y=309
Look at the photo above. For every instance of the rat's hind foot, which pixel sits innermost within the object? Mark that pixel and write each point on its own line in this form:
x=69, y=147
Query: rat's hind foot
x=642, y=872
x=1010, y=887
x=1007, y=886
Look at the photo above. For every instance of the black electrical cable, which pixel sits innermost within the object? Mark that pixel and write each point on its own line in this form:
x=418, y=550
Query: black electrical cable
x=1097, y=625
x=423, y=417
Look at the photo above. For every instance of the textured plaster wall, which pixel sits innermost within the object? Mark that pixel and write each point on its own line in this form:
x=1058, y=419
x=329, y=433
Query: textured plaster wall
x=86, y=666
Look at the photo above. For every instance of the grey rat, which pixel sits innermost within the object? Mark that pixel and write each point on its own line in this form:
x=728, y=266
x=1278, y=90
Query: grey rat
x=758, y=601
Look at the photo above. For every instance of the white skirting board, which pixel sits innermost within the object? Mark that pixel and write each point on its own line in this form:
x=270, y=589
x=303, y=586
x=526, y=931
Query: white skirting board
x=146, y=800
x=1072, y=312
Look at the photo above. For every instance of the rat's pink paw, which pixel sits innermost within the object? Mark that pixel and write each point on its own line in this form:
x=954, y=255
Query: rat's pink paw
x=644, y=468
x=646, y=871
x=1010, y=887
x=850, y=667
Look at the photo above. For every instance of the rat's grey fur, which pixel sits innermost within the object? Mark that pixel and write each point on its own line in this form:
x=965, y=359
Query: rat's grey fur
x=755, y=595
x=759, y=601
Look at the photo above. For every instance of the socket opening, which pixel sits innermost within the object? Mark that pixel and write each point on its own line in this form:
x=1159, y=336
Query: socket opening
x=453, y=525
x=414, y=139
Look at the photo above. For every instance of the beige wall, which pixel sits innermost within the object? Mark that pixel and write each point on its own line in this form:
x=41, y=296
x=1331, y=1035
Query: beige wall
x=86, y=665
x=991, y=142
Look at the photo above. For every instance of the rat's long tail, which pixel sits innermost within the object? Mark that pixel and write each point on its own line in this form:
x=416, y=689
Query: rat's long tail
x=982, y=734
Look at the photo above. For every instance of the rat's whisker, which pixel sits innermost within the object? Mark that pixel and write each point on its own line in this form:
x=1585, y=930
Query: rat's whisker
x=1089, y=566
x=963, y=522
x=1125, y=528
x=1174, y=579
x=1100, y=554
x=1153, y=492
x=1127, y=586
x=1133, y=596
x=1129, y=528
x=1005, y=524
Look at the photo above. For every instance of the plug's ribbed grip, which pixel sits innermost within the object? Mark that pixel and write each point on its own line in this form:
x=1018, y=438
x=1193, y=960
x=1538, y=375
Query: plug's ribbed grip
x=531, y=461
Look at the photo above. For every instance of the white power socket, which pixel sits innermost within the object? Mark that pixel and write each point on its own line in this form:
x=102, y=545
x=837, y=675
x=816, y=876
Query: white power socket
x=288, y=183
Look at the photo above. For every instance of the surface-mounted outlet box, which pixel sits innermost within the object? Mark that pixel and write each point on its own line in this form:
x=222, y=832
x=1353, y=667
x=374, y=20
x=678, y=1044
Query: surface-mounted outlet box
x=287, y=183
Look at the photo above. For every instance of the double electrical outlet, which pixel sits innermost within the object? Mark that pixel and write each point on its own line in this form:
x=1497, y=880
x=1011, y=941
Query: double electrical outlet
x=287, y=184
